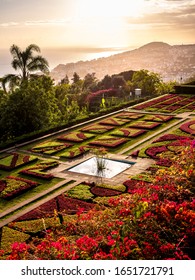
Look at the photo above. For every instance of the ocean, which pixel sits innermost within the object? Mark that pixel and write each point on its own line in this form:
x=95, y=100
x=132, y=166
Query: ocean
x=59, y=56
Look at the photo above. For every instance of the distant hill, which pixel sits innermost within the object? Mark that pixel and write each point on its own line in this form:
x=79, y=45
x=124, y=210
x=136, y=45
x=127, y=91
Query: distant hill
x=171, y=62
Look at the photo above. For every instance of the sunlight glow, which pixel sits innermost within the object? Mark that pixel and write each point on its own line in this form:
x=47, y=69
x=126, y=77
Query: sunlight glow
x=110, y=8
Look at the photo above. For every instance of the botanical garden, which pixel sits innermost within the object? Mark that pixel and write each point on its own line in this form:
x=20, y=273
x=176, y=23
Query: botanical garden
x=48, y=211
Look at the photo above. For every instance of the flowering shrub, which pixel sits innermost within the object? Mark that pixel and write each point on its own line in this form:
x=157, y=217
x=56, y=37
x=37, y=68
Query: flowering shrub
x=147, y=224
x=155, y=220
x=105, y=92
x=71, y=205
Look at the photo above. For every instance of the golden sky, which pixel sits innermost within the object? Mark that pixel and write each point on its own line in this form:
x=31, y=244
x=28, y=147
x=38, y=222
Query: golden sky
x=96, y=24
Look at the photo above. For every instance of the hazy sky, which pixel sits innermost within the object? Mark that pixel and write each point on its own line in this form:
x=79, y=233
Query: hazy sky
x=96, y=23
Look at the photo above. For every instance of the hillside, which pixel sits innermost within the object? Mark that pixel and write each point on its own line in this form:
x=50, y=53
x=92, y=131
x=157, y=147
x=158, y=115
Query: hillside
x=171, y=62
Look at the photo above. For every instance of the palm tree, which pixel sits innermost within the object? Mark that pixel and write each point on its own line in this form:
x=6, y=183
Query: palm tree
x=27, y=63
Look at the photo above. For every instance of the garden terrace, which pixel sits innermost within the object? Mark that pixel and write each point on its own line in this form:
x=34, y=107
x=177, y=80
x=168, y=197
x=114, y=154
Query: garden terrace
x=41, y=187
x=182, y=103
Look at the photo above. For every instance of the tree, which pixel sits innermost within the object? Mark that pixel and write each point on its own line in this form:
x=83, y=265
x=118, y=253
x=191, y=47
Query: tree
x=118, y=81
x=147, y=81
x=105, y=83
x=26, y=63
x=90, y=82
x=164, y=88
x=65, y=80
x=75, y=78
x=29, y=108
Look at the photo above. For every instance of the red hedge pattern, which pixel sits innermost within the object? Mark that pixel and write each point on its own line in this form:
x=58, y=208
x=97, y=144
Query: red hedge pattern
x=99, y=191
x=16, y=191
x=75, y=136
x=109, y=141
x=16, y=160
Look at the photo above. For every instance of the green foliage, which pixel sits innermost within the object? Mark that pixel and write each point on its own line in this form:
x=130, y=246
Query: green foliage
x=9, y=236
x=81, y=191
x=31, y=107
x=147, y=81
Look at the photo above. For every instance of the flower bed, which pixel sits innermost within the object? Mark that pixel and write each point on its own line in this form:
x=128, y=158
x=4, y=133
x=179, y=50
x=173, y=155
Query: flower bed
x=15, y=160
x=173, y=108
x=45, y=210
x=114, y=121
x=170, y=137
x=39, y=170
x=157, y=118
x=129, y=132
x=15, y=186
x=75, y=152
x=133, y=184
x=97, y=128
x=188, y=127
x=37, y=225
x=99, y=191
x=10, y=236
x=165, y=104
x=81, y=191
x=76, y=136
x=153, y=102
x=109, y=141
x=72, y=205
x=153, y=152
x=145, y=124
x=50, y=147
x=129, y=115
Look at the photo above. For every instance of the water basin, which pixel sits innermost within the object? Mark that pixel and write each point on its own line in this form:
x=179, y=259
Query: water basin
x=108, y=167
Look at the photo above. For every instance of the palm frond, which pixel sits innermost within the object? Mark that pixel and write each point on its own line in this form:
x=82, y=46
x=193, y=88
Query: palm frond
x=38, y=63
x=10, y=80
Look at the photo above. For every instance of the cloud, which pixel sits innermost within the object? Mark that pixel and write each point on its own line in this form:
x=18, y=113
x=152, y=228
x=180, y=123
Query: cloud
x=183, y=17
x=52, y=22
x=9, y=24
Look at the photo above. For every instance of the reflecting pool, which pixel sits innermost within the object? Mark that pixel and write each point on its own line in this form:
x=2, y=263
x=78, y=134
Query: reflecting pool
x=101, y=167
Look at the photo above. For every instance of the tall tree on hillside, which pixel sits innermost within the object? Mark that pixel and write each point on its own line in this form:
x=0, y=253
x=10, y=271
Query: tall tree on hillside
x=26, y=63
x=76, y=78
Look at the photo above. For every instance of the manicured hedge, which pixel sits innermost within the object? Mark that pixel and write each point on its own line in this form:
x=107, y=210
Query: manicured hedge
x=75, y=136
x=50, y=147
x=108, y=141
x=14, y=186
x=39, y=170
x=15, y=160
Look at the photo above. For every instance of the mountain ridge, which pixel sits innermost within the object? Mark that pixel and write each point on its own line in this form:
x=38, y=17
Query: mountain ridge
x=172, y=62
